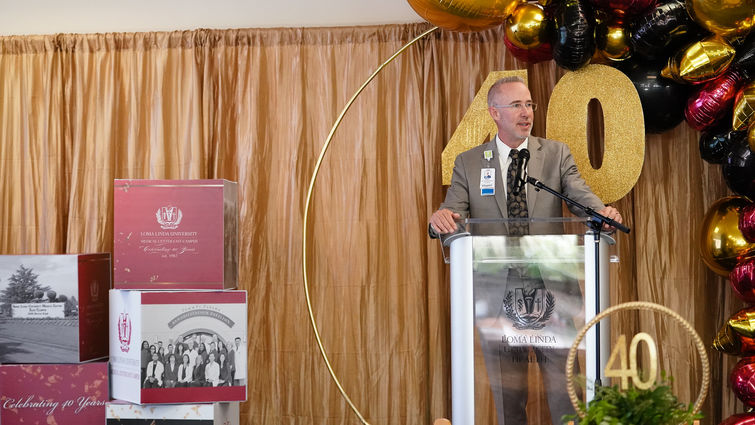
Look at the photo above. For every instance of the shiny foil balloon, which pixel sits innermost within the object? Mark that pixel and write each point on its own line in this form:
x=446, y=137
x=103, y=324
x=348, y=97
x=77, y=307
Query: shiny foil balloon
x=716, y=144
x=745, y=57
x=574, y=34
x=740, y=419
x=739, y=171
x=710, y=104
x=721, y=244
x=729, y=342
x=727, y=18
x=623, y=7
x=702, y=61
x=534, y=55
x=612, y=40
x=527, y=27
x=464, y=15
x=663, y=30
x=747, y=222
x=751, y=137
x=742, y=282
x=663, y=100
x=742, y=380
x=743, y=321
x=744, y=107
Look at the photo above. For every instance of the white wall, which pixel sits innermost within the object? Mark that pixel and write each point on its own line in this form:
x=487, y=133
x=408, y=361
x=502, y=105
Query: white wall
x=82, y=16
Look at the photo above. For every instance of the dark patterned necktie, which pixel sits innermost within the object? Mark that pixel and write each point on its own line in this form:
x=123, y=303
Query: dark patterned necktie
x=516, y=204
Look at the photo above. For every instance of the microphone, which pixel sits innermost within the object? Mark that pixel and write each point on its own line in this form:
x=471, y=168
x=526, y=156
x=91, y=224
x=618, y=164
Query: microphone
x=521, y=171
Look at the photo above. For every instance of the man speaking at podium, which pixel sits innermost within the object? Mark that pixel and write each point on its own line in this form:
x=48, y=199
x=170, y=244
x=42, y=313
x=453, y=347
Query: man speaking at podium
x=498, y=167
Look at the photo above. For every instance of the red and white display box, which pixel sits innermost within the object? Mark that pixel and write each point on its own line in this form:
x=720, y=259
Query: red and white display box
x=210, y=328
x=53, y=308
x=121, y=413
x=56, y=394
x=175, y=234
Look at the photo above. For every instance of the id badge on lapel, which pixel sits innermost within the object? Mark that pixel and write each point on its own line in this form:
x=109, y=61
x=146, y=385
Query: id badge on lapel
x=487, y=182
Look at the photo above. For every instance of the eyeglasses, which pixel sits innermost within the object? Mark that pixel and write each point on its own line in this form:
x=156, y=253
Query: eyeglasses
x=518, y=106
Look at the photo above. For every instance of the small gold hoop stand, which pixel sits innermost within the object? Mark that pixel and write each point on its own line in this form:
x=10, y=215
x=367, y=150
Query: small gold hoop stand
x=638, y=305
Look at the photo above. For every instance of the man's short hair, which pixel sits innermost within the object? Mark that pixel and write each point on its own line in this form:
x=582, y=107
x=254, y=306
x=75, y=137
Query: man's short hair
x=238, y=337
x=501, y=81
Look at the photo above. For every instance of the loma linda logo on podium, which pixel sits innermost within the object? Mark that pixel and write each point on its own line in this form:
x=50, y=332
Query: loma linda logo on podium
x=169, y=217
x=529, y=308
x=124, y=331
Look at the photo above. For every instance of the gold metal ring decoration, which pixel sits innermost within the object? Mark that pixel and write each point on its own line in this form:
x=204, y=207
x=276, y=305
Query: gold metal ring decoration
x=638, y=305
x=306, y=215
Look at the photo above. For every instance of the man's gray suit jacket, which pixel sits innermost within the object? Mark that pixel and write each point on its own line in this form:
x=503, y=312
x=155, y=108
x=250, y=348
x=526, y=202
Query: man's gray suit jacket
x=551, y=162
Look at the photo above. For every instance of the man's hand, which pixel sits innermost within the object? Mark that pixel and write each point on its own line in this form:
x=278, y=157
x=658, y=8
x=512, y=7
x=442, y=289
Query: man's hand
x=613, y=214
x=443, y=221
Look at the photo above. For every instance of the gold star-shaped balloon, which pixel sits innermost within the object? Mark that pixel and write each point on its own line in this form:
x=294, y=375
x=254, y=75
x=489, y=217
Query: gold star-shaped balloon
x=701, y=61
x=744, y=109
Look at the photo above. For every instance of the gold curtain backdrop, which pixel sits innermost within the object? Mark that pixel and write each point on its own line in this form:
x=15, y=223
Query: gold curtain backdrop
x=255, y=106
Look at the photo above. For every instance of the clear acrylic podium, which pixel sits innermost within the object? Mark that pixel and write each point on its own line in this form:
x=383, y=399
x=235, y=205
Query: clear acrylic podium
x=518, y=302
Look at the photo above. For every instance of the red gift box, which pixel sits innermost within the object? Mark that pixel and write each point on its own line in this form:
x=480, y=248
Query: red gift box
x=53, y=394
x=175, y=234
x=53, y=308
x=178, y=346
x=119, y=412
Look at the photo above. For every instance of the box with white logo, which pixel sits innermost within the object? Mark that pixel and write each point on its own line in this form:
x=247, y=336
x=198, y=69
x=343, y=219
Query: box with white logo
x=178, y=346
x=175, y=234
x=43, y=394
x=121, y=413
x=53, y=308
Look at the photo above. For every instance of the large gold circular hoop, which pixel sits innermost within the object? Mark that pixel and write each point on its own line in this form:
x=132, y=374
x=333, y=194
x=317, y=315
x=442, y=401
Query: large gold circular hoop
x=638, y=305
x=306, y=217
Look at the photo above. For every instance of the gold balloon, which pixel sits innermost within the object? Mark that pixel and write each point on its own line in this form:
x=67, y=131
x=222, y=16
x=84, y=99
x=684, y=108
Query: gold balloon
x=729, y=342
x=743, y=322
x=751, y=137
x=727, y=18
x=527, y=27
x=722, y=244
x=701, y=61
x=465, y=15
x=726, y=341
x=613, y=41
x=744, y=108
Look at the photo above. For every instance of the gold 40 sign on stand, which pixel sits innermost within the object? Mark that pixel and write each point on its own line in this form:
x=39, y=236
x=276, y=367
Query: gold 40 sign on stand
x=626, y=372
x=627, y=359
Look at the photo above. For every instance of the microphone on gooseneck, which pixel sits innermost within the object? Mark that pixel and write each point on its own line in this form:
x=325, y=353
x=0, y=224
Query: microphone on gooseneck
x=521, y=171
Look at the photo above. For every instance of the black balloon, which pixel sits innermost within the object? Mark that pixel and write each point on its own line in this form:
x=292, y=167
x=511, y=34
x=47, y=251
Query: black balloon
x=716, y=144
x=664, y=29
x=574, y=37
x=663, y=101
x=739, y=170
x=745, y=58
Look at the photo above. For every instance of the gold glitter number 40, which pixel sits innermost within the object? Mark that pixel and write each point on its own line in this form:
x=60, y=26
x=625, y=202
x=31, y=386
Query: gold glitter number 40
x=624, y=134
x=624, y=127
x=626, y=372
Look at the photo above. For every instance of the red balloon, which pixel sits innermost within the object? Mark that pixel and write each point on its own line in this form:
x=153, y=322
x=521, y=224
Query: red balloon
x=740, y=419
x=711, y=103
x=747, y=222
x=623, y=7
x=742, y=280
x=742, y=381
x=541, y=53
